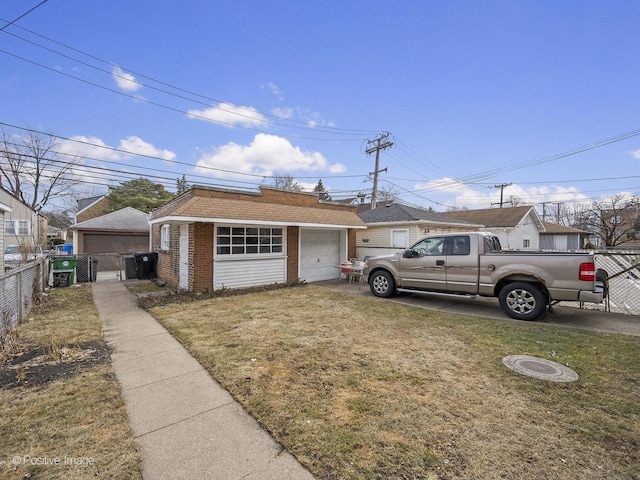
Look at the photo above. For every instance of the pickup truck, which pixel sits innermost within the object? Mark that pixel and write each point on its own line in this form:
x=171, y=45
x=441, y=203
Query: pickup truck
x=473, y=264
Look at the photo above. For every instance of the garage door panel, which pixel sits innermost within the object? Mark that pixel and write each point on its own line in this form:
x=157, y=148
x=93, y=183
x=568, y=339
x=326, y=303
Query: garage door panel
x=105, y=243
x=319, y=255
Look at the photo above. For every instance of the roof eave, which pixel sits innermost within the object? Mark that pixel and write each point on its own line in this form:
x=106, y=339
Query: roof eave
x=183, y=220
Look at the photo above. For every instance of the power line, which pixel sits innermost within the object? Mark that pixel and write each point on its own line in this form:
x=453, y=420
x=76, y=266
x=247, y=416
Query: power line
x=153, y=157
x=9, y=23
x=251, y=112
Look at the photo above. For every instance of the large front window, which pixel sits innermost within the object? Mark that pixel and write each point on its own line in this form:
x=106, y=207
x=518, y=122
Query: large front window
x=232, y=240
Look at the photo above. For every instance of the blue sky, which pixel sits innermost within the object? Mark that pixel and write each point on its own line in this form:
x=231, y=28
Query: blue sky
x=474, y=93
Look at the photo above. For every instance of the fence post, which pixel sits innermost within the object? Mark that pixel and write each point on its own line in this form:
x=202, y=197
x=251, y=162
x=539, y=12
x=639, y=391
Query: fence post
x=19, y=296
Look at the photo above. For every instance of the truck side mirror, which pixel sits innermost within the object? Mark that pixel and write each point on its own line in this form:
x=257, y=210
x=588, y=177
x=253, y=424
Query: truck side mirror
x=409, y=253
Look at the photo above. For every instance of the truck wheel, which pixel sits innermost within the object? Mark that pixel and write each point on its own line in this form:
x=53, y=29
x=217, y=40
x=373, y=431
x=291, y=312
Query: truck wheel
x=522, y=300
x=382, y=284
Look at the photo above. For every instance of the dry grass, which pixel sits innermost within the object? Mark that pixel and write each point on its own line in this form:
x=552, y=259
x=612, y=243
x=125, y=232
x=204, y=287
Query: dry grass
x=356, y=387
x=79, y=422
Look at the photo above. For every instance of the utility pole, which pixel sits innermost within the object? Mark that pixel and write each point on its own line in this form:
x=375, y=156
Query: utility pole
x=501, y=187
x=382, y=142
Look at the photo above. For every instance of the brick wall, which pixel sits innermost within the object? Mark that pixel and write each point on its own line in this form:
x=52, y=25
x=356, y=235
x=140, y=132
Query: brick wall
x=351, y=243
x=266, y=195
x=168, y=268
x=201, y=254
x=293, y=236
x=96, y=210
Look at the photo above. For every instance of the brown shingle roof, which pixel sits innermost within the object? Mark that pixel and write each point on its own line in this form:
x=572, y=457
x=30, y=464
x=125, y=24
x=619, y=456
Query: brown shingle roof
x=211, y=209
x=555, y=228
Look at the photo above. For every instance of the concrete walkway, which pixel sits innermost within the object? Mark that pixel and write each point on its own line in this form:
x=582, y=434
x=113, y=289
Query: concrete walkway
x=186, y=425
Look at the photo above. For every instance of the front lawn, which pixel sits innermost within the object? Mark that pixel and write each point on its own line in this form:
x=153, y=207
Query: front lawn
x=360, y=388
x=61, y=414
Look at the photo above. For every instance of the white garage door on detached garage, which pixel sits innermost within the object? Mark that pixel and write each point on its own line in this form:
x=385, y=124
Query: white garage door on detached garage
x=319, y=255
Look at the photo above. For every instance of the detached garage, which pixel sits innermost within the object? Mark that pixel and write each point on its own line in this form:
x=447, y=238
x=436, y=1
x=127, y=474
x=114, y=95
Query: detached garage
x=123, y=231
x=211, y=238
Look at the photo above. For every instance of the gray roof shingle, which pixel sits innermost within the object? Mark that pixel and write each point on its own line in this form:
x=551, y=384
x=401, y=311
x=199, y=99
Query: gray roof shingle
x=397, y=212
x=128, y=218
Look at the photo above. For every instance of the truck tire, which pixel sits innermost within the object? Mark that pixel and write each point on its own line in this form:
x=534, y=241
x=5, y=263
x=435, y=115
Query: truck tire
x=382, y=284
x=522, y=300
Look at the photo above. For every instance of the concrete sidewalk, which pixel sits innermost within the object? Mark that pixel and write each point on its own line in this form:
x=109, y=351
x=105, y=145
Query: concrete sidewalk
x=186, y=425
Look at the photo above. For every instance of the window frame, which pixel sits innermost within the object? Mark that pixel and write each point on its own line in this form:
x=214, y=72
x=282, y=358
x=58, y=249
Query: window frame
x=233, y=241
x=165, y=237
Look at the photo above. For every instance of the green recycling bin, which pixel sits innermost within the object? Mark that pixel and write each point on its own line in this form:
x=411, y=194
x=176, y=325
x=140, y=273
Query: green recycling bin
x=64, y=271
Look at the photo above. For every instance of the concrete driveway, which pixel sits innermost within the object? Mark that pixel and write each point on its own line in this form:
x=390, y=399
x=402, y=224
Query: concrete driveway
x=564, y=316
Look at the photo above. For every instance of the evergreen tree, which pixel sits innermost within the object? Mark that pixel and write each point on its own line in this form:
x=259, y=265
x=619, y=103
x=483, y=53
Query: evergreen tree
x=181, y=185
x=320, y=190
x=141, y=193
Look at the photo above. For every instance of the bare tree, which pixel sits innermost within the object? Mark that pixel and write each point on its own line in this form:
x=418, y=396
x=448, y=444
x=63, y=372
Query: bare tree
x=286, y=182
x=33, y=168
x=615, y=220
x=388, y=193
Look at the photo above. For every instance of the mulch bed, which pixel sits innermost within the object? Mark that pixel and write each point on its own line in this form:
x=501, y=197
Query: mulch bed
x=42, y=365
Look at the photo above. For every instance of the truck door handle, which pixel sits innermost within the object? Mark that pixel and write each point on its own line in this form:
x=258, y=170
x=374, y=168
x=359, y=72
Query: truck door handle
x=439, y=263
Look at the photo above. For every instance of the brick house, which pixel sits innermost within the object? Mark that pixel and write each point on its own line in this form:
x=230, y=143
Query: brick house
x=210, y=238
x=91, y=207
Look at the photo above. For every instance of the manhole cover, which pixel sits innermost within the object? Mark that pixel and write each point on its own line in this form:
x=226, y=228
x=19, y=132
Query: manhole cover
x=540, y=368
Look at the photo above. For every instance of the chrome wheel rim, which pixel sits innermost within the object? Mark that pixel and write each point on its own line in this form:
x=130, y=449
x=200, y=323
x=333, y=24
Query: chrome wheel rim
x=521, y=301
x=380, y=284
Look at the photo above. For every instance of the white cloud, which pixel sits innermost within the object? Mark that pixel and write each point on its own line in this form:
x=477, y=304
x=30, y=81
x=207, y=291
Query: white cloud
x=138, y=146
x=229, y=115
x=265, y=155
x=283, y=112
x=125, y=80
x=275, y=89
x=314, y=119
x=636, y=154
x=461, y=195
x=90, y=147
x=95, y=148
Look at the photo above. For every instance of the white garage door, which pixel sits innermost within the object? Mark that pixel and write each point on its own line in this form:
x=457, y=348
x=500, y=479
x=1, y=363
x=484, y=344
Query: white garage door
x=319, y=255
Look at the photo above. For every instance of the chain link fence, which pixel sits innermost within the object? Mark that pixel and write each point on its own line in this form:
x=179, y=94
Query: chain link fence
x=623, y=268
x=19, y=288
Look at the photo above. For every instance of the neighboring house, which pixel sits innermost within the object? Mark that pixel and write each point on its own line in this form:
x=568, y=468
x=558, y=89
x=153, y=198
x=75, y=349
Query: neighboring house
x=394, y=226
x=22, y=225
x=4, y=209
x=122, y=231
x=210, y=238
x=91, y=207
x=559, y=237
x=53, y=233
x=516, y=227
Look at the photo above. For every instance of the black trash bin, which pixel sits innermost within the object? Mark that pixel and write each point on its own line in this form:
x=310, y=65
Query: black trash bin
x=146, y=265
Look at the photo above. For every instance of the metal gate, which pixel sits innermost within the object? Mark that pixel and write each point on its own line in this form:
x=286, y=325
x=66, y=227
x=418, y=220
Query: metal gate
x=99, y=267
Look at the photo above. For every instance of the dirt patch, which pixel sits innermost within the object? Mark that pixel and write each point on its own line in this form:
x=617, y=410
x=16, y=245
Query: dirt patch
x=42, y=365
x=167, y=297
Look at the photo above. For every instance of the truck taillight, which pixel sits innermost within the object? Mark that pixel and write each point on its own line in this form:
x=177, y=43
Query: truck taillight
x=588, y=271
